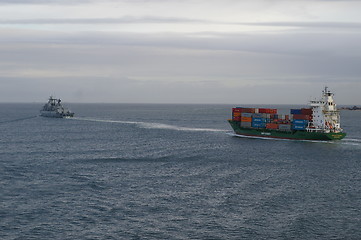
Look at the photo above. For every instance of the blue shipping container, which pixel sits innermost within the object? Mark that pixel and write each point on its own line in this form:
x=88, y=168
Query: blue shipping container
x=300, y=122
x=296, y=111
x=298, y=127
x=259, y=120
x=258, y=125
x=258, y=115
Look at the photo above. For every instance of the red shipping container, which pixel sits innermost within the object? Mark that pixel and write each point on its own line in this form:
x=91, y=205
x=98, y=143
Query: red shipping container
x=272, y=126
x=236, y=118
x=306, y=111
x=300, y=116
x=267, y=110
x=236, y=109
x=263, y=110
x=273, y=111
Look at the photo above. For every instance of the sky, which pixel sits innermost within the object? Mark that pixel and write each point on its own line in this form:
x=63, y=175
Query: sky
x=180, y=51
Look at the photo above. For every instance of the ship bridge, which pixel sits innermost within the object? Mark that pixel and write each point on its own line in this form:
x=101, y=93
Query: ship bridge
x=324, y=112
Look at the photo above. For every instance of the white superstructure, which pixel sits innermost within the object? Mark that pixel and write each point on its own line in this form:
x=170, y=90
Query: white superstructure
x=325, y=115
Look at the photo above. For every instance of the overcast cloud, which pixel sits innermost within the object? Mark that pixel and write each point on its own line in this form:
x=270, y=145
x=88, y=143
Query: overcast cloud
x=217, y=51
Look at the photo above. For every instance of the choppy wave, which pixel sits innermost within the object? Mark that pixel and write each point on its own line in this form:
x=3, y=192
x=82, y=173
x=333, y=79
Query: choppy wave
x=120, y=160
x=151, y=125
x=171, y=180
x=18, y=119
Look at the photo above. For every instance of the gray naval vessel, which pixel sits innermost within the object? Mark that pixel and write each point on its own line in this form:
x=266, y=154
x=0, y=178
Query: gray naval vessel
x=54, y=109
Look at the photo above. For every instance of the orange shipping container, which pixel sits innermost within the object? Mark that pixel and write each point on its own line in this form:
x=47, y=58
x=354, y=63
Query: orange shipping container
x=246, y=119
x=236, y=114
x=272, y=126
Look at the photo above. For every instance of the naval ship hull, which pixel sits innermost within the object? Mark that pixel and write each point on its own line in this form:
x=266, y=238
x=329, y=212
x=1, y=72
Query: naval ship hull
x=52, y=114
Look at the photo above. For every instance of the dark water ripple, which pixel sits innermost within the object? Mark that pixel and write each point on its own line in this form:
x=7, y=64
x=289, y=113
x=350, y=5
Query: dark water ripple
x=171, y=172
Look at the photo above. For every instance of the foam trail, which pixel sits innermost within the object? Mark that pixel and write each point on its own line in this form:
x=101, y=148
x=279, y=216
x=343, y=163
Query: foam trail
x=154, y=125
x=102, y=120
x=265, y=138
x=346, y=141
x=281, y=139
x=177, y=128
x=352, y=140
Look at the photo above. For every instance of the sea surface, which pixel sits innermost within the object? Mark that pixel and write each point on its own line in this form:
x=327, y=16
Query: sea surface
x=157, y=171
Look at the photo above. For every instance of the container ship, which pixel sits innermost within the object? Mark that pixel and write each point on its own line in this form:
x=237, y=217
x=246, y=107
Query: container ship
x=321, y=121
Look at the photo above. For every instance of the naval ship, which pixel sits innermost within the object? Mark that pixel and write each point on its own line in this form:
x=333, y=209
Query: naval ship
x=54, y=109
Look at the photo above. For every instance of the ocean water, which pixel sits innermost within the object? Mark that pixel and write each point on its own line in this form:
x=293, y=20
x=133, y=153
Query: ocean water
x=145, y=171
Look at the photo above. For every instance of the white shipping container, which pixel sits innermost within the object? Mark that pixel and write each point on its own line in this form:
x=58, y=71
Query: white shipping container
x=246, y=114
x=246, y=124
x=284, y=127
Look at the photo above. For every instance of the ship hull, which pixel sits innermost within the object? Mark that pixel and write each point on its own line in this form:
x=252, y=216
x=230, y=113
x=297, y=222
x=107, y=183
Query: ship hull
x=53, y=114
x=294, y=134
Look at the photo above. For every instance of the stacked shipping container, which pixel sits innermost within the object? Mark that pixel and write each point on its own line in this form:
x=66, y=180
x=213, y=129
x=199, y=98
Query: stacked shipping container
x=269, y=119
x=258, y=117
x=301, y=118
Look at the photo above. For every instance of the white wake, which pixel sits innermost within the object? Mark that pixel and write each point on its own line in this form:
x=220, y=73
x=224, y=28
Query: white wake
x=150, y=125
x=346, y=141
